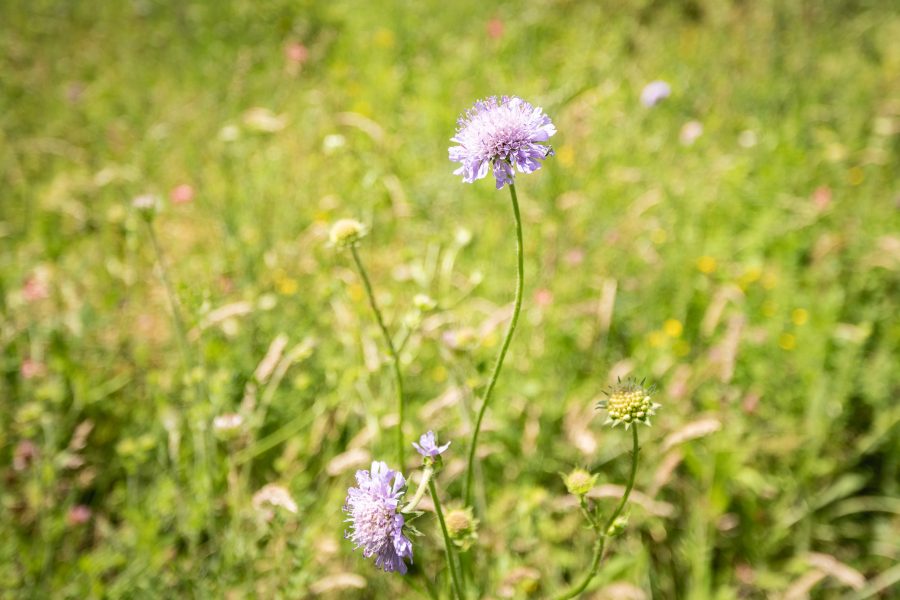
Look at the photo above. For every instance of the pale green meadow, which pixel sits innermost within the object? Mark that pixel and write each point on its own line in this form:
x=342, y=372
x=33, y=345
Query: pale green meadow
x=735, y=244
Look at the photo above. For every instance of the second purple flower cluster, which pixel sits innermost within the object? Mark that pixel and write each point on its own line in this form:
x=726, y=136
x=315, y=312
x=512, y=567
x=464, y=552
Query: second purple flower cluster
x=374, y=509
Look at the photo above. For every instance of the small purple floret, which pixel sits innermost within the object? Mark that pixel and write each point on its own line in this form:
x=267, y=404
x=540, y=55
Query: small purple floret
x=376, y=526
x=427, y=445
x=501, y=133
x=654, y=93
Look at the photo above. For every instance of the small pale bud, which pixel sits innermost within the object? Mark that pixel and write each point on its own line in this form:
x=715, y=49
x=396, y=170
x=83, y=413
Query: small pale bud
x=579, y=482
x=228, y=425
x=462, y=527
x=148, y=205
x=463, y=236
x=346, y=232
x=618, y=526
x=424, y=302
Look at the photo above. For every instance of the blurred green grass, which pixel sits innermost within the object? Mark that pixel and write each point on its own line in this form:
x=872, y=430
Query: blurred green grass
x=752, y=275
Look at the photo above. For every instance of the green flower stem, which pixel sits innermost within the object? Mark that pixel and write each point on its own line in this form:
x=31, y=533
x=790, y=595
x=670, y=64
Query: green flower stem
x=180, y=330
x=200, y=438
x=395, y=356
x=423, y=485
x=587, y=513
x=600, y=544
x=448, y=543
x=517, y=307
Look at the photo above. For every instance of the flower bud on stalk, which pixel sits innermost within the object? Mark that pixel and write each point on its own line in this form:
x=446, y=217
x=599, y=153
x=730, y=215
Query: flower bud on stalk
x=346, y=232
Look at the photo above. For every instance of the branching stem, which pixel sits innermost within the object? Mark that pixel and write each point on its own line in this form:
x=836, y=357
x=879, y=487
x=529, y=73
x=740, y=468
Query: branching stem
x=600, y=544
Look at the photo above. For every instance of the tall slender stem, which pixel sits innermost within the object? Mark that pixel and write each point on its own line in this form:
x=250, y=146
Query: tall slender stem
x=600, y=544
x=448, y=543
x=174, y=307
x=517, y=307
x=395, y=357
x=199, y=435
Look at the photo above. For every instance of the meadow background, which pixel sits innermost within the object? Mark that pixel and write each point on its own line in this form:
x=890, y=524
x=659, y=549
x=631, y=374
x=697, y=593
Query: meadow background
x=751, y=273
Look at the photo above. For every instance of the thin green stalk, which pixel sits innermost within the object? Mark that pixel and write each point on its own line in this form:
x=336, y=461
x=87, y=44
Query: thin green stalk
x=587, y=513
x=517, y=307
x=180, y=330
x=395, y=357
x=423, y=485
x=448, y=543
x=200, y=439
x=600, y=544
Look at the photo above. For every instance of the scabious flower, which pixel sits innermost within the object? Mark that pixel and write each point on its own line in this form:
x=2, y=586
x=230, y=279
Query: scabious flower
x=31, y=368
x=25, y=453
x=35, y=288
x=78, y=515
x=428, y=447
x=690, y=132
x=147, y=204
x=182, y=194
x=654, y=93
x=228, y=425
x=629, y=402
x=296, y=53
x=502, y=133
x=376, y=524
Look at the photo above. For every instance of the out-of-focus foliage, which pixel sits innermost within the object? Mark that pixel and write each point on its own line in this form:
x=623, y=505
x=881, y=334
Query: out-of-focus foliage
x=750, y=272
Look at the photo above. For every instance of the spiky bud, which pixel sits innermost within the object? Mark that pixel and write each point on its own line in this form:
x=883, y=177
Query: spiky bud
x=629, y=402
x=579, y=482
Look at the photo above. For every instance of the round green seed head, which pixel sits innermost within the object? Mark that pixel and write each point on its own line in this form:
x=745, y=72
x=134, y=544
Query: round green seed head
x=579, y=482
x=462, y=527
x=629, y=403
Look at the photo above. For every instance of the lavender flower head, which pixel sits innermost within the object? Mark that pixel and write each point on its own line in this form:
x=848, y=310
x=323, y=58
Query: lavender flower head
x=428, y=447
x=654, y=93
x=376, y=524
x=501, y=133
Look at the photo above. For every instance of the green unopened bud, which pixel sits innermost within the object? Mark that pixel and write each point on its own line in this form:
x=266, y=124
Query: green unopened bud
x=629, y=403
x=346, y=232
x=424, y=302
x=462, y=527
x=579, y=482
x=618, y=526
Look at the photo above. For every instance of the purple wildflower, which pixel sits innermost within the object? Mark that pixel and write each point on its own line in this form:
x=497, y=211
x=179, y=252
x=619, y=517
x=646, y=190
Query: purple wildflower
x=501, y=133
x=376, y=524
x=427, y=445
x=654, y=93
